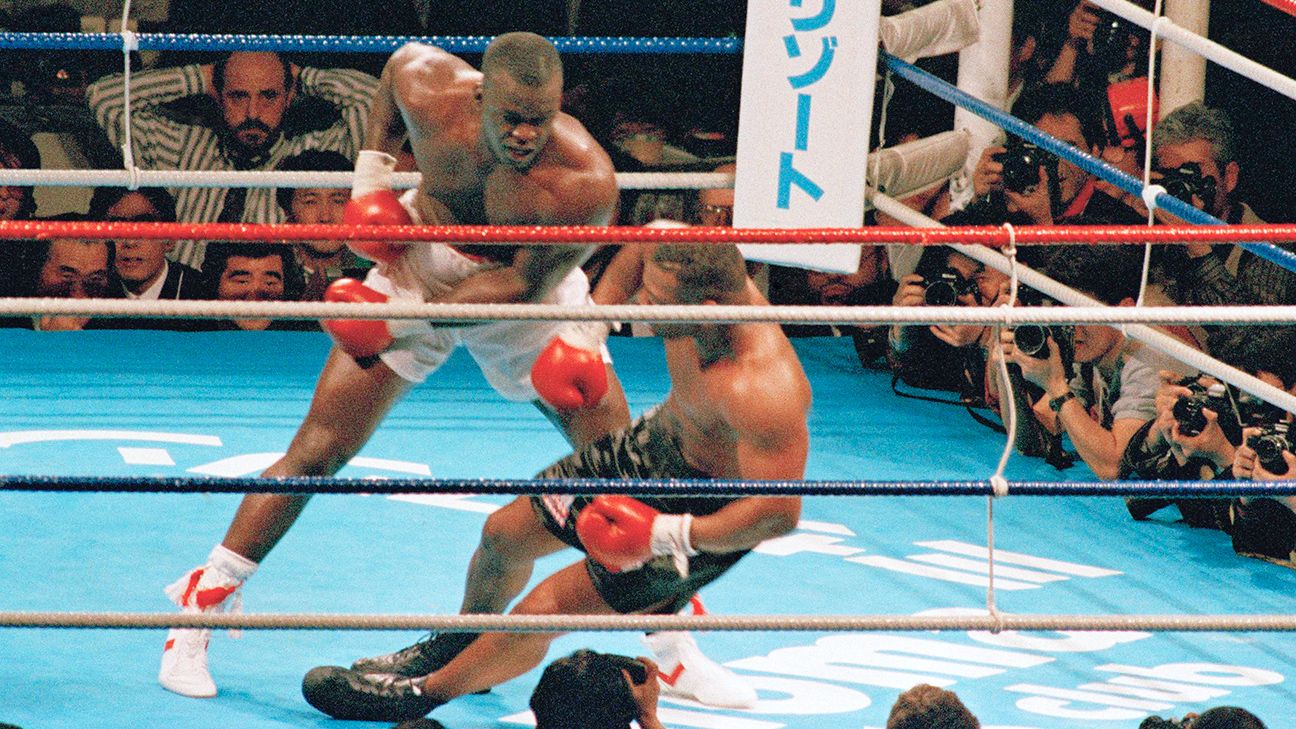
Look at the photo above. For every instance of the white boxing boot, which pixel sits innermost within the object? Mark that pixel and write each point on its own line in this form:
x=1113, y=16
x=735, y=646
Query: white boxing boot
x=686, y=672
x=214, y=587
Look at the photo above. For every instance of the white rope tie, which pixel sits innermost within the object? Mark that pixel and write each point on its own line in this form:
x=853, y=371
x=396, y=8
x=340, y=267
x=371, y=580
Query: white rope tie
x=1008, y=405
x=1149, y=195
x=1147, y=151
x=130, y=44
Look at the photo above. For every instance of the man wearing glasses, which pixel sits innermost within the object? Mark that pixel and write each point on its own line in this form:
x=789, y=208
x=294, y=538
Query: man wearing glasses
x=140, y=267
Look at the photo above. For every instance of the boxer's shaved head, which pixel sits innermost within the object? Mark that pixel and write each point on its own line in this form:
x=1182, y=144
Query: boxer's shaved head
x=529, y=59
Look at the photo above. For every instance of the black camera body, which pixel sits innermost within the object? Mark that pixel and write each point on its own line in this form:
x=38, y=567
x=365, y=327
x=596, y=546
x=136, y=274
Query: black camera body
x=1032, y=341
x=1187, y=409
x=1022, y=162
x=1254, y=412
x=945, y=288
x=1111, y=41
x=1186, y=181
x=1269, y=445
x=637, y=670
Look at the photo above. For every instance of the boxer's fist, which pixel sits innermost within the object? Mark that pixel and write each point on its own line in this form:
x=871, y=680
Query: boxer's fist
x=380, y=207
x=357, y=337
x=622, y=533
x=617, y=531
x=569, y=378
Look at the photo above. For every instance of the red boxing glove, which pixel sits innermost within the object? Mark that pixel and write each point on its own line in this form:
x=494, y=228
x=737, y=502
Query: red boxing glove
x=381, y=207
x=357, y=337
x=569, y=378
x=617, y=531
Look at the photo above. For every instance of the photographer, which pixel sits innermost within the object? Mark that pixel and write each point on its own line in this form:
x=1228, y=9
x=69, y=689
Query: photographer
x=1024, y=185
x=1220, y=717
x=1263, y=527
x=1099, y=48
x=589, y=690
x=953, y=357
x=1186, y=441
x=943, y=356
x=1111, y=391
x=1194, y=150
x=1198, y=430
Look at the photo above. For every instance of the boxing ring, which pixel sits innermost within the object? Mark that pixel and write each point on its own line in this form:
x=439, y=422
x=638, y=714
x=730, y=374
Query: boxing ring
x=887, y=589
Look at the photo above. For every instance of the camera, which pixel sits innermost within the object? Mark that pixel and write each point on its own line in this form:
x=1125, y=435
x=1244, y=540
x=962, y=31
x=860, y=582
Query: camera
x=1187, y=409
x=1032, y=341
x=1187, y=181
x=945, y=288
x=1254, y=412
x=637, y=670
x=1269, y=445
x=1111, y=42
x=1022, y=162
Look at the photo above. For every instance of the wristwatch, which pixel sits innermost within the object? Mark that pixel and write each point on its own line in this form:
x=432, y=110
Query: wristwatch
x=1055, y=404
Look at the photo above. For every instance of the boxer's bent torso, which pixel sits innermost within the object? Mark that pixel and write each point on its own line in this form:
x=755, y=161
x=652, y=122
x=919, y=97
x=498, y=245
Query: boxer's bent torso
x=645, y=450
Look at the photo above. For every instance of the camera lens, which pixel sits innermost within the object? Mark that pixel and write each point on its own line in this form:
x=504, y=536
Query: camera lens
x=1021, y=165
x=1031, y=340
x=944, y=289
x=1269, y=445
x=1111, y=40
x=940, y=293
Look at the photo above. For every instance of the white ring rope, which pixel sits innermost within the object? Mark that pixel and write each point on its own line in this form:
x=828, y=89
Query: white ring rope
x=1208, y=49
x=1089, y=313
x=291, y=179
x=1078, y=302
x=648, y=623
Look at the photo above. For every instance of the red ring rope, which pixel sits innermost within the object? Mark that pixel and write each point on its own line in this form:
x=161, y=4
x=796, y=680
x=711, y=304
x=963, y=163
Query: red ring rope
x=992, y=236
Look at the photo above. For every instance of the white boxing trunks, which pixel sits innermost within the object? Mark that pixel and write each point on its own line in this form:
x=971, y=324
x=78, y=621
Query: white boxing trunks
x=504, y=350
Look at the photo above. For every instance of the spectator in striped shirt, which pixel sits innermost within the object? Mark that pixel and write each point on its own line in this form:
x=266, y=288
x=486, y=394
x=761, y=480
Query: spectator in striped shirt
x=266, y=109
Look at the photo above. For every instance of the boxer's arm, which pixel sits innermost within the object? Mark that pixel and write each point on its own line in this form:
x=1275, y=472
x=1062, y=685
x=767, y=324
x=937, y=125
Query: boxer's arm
x=745, y=523
x=417, y=78
x=385, y=129
x=772, y=444
x=767, y=412
x=622, y=277
x=578, y=198
x=535, y=271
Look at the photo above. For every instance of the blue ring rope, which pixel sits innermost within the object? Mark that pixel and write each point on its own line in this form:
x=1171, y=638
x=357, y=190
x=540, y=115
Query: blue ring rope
x=1086, y=162
x=635, y=487
x=353, y=44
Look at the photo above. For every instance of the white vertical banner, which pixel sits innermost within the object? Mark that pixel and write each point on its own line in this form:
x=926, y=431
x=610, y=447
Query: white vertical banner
x=809, y=69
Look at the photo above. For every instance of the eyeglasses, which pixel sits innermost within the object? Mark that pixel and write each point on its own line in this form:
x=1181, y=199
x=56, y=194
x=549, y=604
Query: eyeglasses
x=716, y=215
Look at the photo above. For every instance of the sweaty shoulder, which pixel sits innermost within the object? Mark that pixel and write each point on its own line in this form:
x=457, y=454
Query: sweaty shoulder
x=767, y=390
x=427, y=81
x=579, y=175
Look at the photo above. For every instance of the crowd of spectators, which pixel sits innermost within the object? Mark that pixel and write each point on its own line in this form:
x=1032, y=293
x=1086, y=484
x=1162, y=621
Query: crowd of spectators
x=1117, y=402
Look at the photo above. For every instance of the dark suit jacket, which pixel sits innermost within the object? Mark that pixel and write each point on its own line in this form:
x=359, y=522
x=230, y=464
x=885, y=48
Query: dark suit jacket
x=181, y=283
